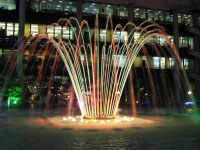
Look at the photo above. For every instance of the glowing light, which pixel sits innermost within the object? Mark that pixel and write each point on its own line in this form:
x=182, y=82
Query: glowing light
x=69, y=118
x=94, y=120
x=126, y=118
x=117, y=120
x=102, y=121
x=64, y=118
x=81, y=104
x=189, y=103
x=189, y=92
x=14, y=95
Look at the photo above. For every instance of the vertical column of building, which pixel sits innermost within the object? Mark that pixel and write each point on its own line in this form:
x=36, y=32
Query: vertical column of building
x=79, y=14
x=177, y=65
x=130, y=12
x=22, y=9
x=79, y=10
x=196, y=60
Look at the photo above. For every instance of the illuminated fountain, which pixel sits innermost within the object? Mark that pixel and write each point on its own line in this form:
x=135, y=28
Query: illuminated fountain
x=96, y=74
x=99, y=72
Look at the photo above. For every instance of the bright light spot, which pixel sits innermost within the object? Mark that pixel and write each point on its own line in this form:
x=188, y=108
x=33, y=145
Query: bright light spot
x=81, y=103
x=189, y=103
x=126, y=118
x=94, y=120
x=108, y=120
x=102, y=121
x=73, y=119
x=117, y=92
x=64, y=118
x=117, y=120
x=137, y=102
x=70, y=118
x=189, y=92
x=146, y=94
x=79, y=117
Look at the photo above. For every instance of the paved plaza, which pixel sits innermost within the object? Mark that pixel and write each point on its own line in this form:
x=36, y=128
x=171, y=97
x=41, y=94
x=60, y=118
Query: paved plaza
x=157, y=132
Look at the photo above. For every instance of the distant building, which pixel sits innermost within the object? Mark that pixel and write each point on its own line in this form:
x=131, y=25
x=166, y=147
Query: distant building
x=180, y=18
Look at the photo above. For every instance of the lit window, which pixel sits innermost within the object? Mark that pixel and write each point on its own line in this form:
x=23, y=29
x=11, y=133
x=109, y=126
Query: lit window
x=153, y=14
x=102, y=35
x=68, y=33
x=2, y=25
x=120, y=60
x=58, y=31
x=94, y=8
x=171, y=62
x=50, y=31
x=168, y=17
x=191, y=43
x=185, y=64
x=60, y=5
x=16, y=28
x=34, y=29
x=183, y=42
x=161, y=15
x=122, y=11
x=124, y=36
x=109, y=10
x=162, y=63
x=10, y=29
x=9, y=5
x=136, y=36
x=185, y=19
x=140, y=13
x=117, y=36
x=161, y=41
x=156, y=62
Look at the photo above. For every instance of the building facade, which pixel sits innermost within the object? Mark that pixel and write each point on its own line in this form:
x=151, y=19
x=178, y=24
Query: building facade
x=181, y=19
